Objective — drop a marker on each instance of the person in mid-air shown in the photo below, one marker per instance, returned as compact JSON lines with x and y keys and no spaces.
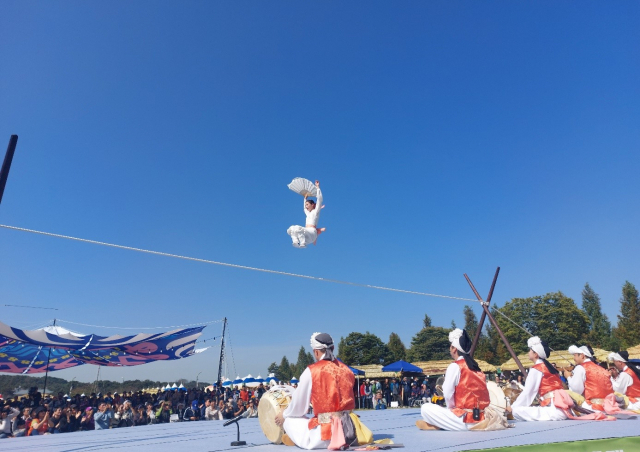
{"x":300,"y":236}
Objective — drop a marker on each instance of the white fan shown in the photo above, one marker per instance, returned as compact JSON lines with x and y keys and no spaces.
{"x":303,"y":187}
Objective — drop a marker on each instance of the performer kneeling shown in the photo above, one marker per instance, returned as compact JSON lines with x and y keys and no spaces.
{"x":588,"y":379}
{"x":627,"y":382}
{"x":543,"y":379}
{"x":465,"y":393}
{"x":328,"y":385}
{"x":300,"y":236}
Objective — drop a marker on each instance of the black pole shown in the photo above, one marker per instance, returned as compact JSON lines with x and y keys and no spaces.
{"x":46,"y":375}
{"x":476,"y":338}
{"x":6,"y":165}
{"x":224,"y":328}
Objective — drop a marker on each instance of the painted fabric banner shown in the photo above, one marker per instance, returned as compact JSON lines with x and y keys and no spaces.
{"x":30,"y":355}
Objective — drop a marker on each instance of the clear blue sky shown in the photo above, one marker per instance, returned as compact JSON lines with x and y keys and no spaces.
{"x":449,"y":137}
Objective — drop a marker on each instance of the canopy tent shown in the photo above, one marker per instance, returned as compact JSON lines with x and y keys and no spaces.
{"x":294,"y":381}
{"x":55,"y":348}
{"x":270,"y":378}
{"x":560,"y":358}
{"x":356,"y":372}
{"x":401,"y":366}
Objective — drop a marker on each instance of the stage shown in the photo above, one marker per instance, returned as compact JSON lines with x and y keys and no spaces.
{"x":397,"y":424}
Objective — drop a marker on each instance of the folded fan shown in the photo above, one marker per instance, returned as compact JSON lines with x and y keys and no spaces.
{"x":303,"y":187}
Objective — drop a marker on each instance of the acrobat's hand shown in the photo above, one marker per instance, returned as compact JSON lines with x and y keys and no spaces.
{"x":318,"y":183}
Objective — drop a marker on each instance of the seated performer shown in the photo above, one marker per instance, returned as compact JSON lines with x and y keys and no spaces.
{"x":628,"y":381}
{"x":543,"y":379}
{"x":300,"y":236}
{"x":588,"y":379}
{"x":465,"y":392}
{"x":327,"y":384}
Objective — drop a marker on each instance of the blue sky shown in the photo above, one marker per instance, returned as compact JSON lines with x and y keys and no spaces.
{"x":449,"y":137}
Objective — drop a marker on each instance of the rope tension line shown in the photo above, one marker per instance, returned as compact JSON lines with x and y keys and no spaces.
{"x":225,"y":264}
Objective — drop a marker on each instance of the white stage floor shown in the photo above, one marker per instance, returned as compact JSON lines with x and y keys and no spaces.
{"x":399,"y":424}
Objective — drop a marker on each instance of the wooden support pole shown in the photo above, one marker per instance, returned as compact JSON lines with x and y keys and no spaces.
{"x":476,"y":338}
{"x":6,"y":164}
{"x":485,"y":307}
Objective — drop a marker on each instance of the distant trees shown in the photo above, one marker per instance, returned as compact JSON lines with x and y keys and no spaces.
{"x":628,"y":329}
{"x":430,"y":343}
{"x":396,"y":348}
{"x":599,"y":326}
{"x":554,"y":317}
{"x":367,"y":348}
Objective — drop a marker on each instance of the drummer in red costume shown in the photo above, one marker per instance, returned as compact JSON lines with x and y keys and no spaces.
{"x":628,"y":381}
{"x":327,"y":384}
{"x":542,"y":380}
{"x":464,"y":388}
{"x":588,"y":379}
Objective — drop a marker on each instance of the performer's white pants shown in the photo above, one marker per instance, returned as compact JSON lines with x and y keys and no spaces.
{"x":301,"y":237}
{"x":538,"y":413}
{"x":442,"y":417}
{"x":634,"y":406}
{"x":298,"y":430}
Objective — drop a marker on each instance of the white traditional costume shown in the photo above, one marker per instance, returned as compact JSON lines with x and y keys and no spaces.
{"x":590,"y":380}
{"x":303,"y":236}
{"x":540,"y":381}
{"x":328,"y":385}
{"x":627,"y":382}
{"x":464,"y":389}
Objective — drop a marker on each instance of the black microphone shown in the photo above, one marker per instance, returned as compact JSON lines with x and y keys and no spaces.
{"x":231,"y":421}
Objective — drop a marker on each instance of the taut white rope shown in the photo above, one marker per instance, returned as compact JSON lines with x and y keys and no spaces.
{"x":243,"y":267}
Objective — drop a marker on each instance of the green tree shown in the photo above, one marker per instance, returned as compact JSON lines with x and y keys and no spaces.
{"x":396,"y":348}
{"x":554,"y":317}
{"x":304,"y":359}
{"x":273,"y":369}
{"x":426,"y":323}
{"x":362,"y":349}
{"x":470,"y":321}
{"x":599,"y":325}
{"x":430,"y":343}
{"x":285,"y":373}
{"x":490,"y":346}
{"x":628,"y":329}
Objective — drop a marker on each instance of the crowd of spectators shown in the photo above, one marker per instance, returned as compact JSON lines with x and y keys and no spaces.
{"x":407,"y":392}
{"x":35,"y":415}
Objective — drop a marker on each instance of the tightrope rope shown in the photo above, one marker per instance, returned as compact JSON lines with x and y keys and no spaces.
{"x":225,"y":264}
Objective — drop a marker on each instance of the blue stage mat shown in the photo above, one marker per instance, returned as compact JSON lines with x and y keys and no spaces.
{"x":397,"y":424}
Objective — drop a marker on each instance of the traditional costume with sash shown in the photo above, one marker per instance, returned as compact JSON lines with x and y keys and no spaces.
{"x":542,"y":380}
{"x":628,"y":381}
{"x":590,"y":380}
{"x":328,"y":385}
{"x":465,"y":393}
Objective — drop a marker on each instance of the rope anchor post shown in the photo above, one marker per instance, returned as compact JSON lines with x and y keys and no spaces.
{"x":487,"y":313}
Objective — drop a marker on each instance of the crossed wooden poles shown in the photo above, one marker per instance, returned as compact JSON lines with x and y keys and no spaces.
{"x":485,"y":314}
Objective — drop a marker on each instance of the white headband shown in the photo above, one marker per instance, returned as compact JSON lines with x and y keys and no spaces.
{"x":580,"y":350}
{"x":616,"y":357}
{"x":454,"y":338}
{"x":535,"y":344}
{"x":317,"y":345}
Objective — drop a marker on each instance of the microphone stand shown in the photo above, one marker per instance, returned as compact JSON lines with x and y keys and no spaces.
{"x":235,"y":421}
